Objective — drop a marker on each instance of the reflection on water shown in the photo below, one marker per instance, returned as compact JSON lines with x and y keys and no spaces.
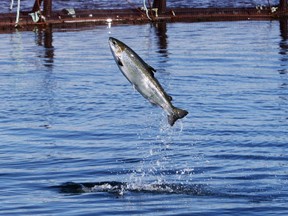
{"x":17,"y":51}
{"x":283,"y":45}
{"x":161,"y":33}
{"x":32,"y":74}
{"x":44,"y":37}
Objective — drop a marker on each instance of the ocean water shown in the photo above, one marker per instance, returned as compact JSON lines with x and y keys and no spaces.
{"x":77,"y":139}
{"x":107,"y":4}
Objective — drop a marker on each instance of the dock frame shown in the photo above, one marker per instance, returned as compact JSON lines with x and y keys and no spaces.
{"x":156,"y":12}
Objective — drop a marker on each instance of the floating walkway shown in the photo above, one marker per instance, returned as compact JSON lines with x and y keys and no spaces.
{"x":71,"y":18}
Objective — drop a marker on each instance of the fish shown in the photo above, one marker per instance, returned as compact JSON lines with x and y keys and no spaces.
{"x":141,"y":76}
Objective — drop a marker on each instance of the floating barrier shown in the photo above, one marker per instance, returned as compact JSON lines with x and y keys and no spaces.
{"x":71,"y":17}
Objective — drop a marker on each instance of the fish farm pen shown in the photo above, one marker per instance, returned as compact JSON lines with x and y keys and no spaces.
{"x":41,"y":15}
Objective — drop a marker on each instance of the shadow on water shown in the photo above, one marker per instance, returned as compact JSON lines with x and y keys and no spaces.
{"x":122,"y":188}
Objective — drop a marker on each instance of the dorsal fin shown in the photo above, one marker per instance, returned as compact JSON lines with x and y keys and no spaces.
{"x":151,"y":70}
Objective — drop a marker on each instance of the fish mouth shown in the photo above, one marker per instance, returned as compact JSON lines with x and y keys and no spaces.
{"x":113,"y":40}
{"x":116,"y":50}
{"x":113,"y":43}
{"x":117,"y":45}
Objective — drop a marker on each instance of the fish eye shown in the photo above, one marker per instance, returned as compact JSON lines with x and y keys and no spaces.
{"x":114,"y":42}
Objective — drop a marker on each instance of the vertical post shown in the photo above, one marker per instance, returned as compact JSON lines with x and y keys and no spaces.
{"x":36,"y":6}
{"x":161,"y":5}
{"x":283,"y":5}
{"x":283,"y":44}
{"x":47,"y":8}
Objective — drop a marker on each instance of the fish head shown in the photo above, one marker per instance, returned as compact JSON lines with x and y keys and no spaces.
{"x":117,"y":49}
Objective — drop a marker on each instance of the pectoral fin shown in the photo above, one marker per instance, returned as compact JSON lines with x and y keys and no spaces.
{"x":119,"y":62}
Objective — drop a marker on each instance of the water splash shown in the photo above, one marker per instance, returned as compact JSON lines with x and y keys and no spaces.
{"x":157,"y":146}
{"x":118,"y":188}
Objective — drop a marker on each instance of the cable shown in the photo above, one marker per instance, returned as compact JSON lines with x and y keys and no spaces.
{"x":18,"y":13}
{"x":146,"y":9}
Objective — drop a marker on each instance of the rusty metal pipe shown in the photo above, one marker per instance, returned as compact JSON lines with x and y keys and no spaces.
{"x":283,"y":5}
{"x":47,"y":8}
{"x":161,"y":5}
{"x":36,"y":6}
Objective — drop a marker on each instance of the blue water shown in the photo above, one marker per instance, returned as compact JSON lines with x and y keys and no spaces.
{"x":108,"y":4}
{"x":77,"y":139}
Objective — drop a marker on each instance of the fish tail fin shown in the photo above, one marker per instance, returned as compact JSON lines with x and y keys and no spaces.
{"x":177,"y":114}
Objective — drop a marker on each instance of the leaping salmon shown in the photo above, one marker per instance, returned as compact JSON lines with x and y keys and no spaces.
{"x":141,"y":76}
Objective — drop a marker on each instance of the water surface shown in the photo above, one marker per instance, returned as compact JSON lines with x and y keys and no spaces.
{"x":76,"y":139}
